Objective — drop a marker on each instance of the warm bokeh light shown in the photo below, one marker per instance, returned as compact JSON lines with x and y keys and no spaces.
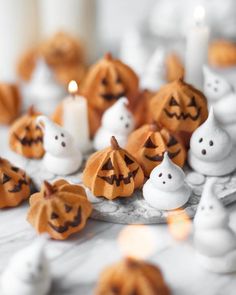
{"x":137,"y":241}
{"x":199,"y":14}
{"x":72,"y":87}
{"x":179,"y":224}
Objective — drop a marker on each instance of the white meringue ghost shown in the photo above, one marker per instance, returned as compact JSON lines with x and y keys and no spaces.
{"x":155,"y":72}
{"x":166,"y":188}
{"x":214,"y":240}
{"x":117,"y":121}
{"x":61,"y":156}
{"x":211,"y":149}
{"x":221,"y":96}
{"x":28,"y":272}
{"x":43,"y":90}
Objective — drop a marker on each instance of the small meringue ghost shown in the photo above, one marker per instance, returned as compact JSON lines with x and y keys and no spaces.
{"x":221,"y":96}
{"x":61,"y":156}
{"x":211,"y":149}
{"x":155,"y":73}
{"x":117,"y":121}
{"x":214,"y":240}
{"x":28,"y":272}
{"x":166,"y":188}
{"x":43,"y":90}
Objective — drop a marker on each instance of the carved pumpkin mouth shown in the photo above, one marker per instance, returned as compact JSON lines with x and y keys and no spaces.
{"x":118,"y":179}
{"x":63,"y":228}
{"x":29,"y":141}
{"x":183,"y":116}
{"x":159,"y":158}
{"x":110,"y":96}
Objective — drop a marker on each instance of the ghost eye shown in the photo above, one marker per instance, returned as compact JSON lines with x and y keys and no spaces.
{"x":192,"y":102}
{"x":200,"y":140}
{"x":121,"y":118}
{"x":104,"y":81}
{"x":54,"y":215}
{"x":56,"y":137}
{"x":128,"y":161}
{"x":173,"y":102}
{"x":149,"y":144}
{"x":62,"y":134}
{"x":108,"y":165}
{"x":160,"y":175}
{"x":169,"y":176}
{"x":211,"y":143}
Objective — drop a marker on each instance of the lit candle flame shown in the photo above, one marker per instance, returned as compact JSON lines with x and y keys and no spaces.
{"x":179,"y":224}
{"x":73,"y":87}
{"x":137,"y":241}
{"x":199,"y":14}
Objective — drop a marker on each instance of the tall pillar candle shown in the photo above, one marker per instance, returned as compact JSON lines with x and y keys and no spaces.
{"x":76,"y":17}
{"x":197,"y":49}
{"x":18,"y":32}
{"x":75,"y":118}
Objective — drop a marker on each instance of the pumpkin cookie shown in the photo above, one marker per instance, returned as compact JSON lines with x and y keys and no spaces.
{"x":149,"y":143}
{"x":222,"y":53}
{"x":10,"y":103}
{"x":112,"y":173}
{"x":174,"y":67}
{"x":26,"y":137}
{"x":14,"y":185}
{"x":132,"y":276}
{"x":60,"y":209}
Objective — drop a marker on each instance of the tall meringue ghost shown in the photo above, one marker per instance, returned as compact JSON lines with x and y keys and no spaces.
{"x":155,"y":72}
{"x":214,"y":240}
{"x":211,"y":149}
{"x":221,"y":96}
{"x":61,"y":156}
{"x":28,"y":272}
{"x":166,"y":188}
{"x":117,"y":121}
{"x":43,"y":90}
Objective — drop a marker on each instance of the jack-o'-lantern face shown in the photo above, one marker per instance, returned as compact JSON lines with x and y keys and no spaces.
{"x":26,"y":137}
{"x":148,"y":145}
{"x":59,"y":209}
{"x":14,"y":185}
{"x":61,"y":49}
{"x":112,"y":173}
{"x":107,"y":81}
{"x":179,"y":107}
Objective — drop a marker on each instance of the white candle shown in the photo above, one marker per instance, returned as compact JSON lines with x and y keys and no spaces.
{"x":75,"y":118}
{"x":76,"y":17}
{"x":197,"y":49}
{"x":18,"y":32}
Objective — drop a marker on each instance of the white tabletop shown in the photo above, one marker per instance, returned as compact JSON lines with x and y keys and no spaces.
{"x":77,"y":262}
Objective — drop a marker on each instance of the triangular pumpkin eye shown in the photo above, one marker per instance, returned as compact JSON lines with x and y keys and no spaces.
{"x":149,"y":144}
{"x":128,"y":161}
{"x":173,"y":102}
{"x":108,"y":165}
{"x":192,"y":102}
{"x":5,"y":178}
{"x":68,"y":208}
{"x":54,"y":215}
{"x":172,"y":141}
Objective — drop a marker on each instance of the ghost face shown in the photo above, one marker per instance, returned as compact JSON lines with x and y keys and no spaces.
{"x":167,"y":177}
{"x":215,"y":87}
{"x":210,"y":145}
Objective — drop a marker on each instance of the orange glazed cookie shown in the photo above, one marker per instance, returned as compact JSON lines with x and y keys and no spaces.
{"x":10,"y":103}
{"x":222,"y":53}
{"x":60,"y":209}
{"x":148,"y":145}
{"x":107,"y":81}
{"x":132,"y":276}
{"x":26,"y":138}
{"x":14,"y":185}
{"x":178,"y":106}
{"x":112,"y":172}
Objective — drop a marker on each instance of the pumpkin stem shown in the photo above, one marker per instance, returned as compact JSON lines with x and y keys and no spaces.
{"x":108,"y":56}
{"x":114,"y":143}
{"x":48,"y":189}
{"x":31,"y":111}
{"x":131,"y":262}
